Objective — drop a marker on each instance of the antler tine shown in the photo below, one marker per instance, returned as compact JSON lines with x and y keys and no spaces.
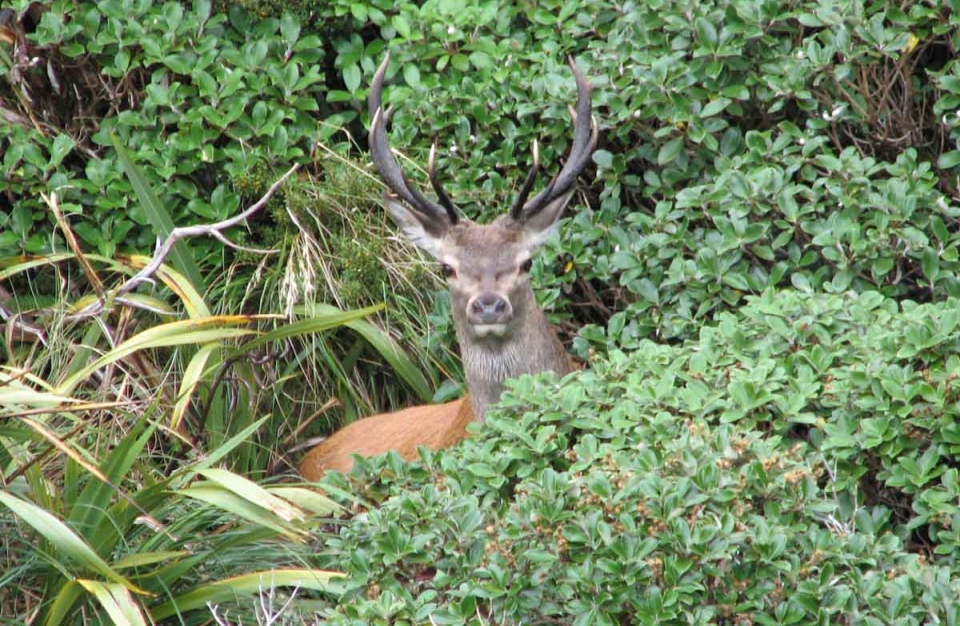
{"x":437,"y":187}
{"x":585,"y":133}
{"x":517,"y":209}
{"x":384,"y":161}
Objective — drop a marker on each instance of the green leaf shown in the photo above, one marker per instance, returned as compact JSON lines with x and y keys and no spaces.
{"x":949,"y":160}
{"x":930,"y":263}
{"x":706,"y":32}
{"x":715,"y":106}
{"x":402,"y":25}
{"x":289,"y":29}
{"x":603,"y":158}
{"x":670,"y":150}
{"x":61,"y":147}
{"x":351,"y":77}
{"x":481,"y":60}
{"x":411,"y":74}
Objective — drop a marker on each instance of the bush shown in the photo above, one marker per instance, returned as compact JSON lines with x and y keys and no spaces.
{"x":743,"y":146}
{"x":791,"y":456}
{"x":794,"y":464}
{"x":197,"y":97}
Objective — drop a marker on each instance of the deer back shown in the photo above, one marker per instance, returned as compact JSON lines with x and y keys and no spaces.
{"x":435,"y":426}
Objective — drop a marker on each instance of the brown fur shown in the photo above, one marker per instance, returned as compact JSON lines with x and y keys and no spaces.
{"x":434,"y":426}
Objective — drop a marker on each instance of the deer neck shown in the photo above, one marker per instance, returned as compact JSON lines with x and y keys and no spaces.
{"x":531,"y":348}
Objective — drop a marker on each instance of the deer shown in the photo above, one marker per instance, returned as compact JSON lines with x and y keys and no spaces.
{"x":501,"y":329}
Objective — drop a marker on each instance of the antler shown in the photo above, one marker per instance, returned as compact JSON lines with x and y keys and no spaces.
{"x":584,"y":140}
{"x":387,"y":166}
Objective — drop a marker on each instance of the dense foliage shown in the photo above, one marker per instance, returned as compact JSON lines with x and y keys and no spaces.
{"x":761,"y":268}
{"x":794,"y":464}
{"x":745,"y":145}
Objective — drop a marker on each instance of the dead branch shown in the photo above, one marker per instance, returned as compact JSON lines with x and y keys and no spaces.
{"x":185,"y":232}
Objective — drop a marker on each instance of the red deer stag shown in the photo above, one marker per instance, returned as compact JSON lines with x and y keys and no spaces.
{"x":501,"y":330}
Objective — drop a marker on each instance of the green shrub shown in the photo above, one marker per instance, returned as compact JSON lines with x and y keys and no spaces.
{"x":743,"y":145}
{"x":196,"y":96}
{"x":869,"y":381}
{"x":770,"y":472}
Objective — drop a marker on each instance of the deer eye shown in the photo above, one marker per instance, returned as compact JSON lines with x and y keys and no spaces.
{"x":526,"y":265}
{"x":447,"y":270}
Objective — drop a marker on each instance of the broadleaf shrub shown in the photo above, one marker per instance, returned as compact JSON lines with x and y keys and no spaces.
{"x":774,"y":196}
{"x":197,"y":96}
{"x":744,"y":146}
{"x":793,"y":464}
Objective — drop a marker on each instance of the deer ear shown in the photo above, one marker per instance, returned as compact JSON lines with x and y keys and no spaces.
{"x":422,"y":231}
{"x":539,"y":226}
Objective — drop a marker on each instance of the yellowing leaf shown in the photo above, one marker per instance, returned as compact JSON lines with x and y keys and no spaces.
{"x":117,"y":601}
{"x":911,"y":43}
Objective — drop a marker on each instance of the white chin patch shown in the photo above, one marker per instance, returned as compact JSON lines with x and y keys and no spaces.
{"x":489,"y":330}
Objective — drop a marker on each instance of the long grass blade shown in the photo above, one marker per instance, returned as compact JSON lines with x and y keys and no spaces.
{"x":386,"y":346}
{"x":229,"y":589}
{"x":227,"y":446}
{"x":66,"y":408}
{"x":124,"y":264}
{"x":61,"y":608}
{"x":192,"y":375}
{"x":254,"y":493}
{"x":309,"y":326}
{"x":141,"y":559}
{"x":87,"y":511}
{"x":307,"y":499}
{"x":175,"y":282}
{"x":223,"y":498}
{"x":15,"y":265}
{"x":205,"y":330}
{"x":63,"y":539}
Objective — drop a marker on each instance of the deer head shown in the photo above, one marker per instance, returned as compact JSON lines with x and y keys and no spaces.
{"x":501,"y":330}
{"x":486,"y":266}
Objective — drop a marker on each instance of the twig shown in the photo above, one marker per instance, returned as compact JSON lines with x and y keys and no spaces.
{"x":16,"y":321}
{"x":184,"y":232}
{"x":67,"y":408}
{"x":213,"y":230}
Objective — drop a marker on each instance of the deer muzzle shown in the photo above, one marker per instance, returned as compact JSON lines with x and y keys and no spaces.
{"x":489,"y":313}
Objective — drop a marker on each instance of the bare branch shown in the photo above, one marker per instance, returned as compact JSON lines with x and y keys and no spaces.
{"x":214,"y":230}
{"x":185,"y":232}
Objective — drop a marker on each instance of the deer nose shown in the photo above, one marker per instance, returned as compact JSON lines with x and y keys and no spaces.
{"x":489,"y":308}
